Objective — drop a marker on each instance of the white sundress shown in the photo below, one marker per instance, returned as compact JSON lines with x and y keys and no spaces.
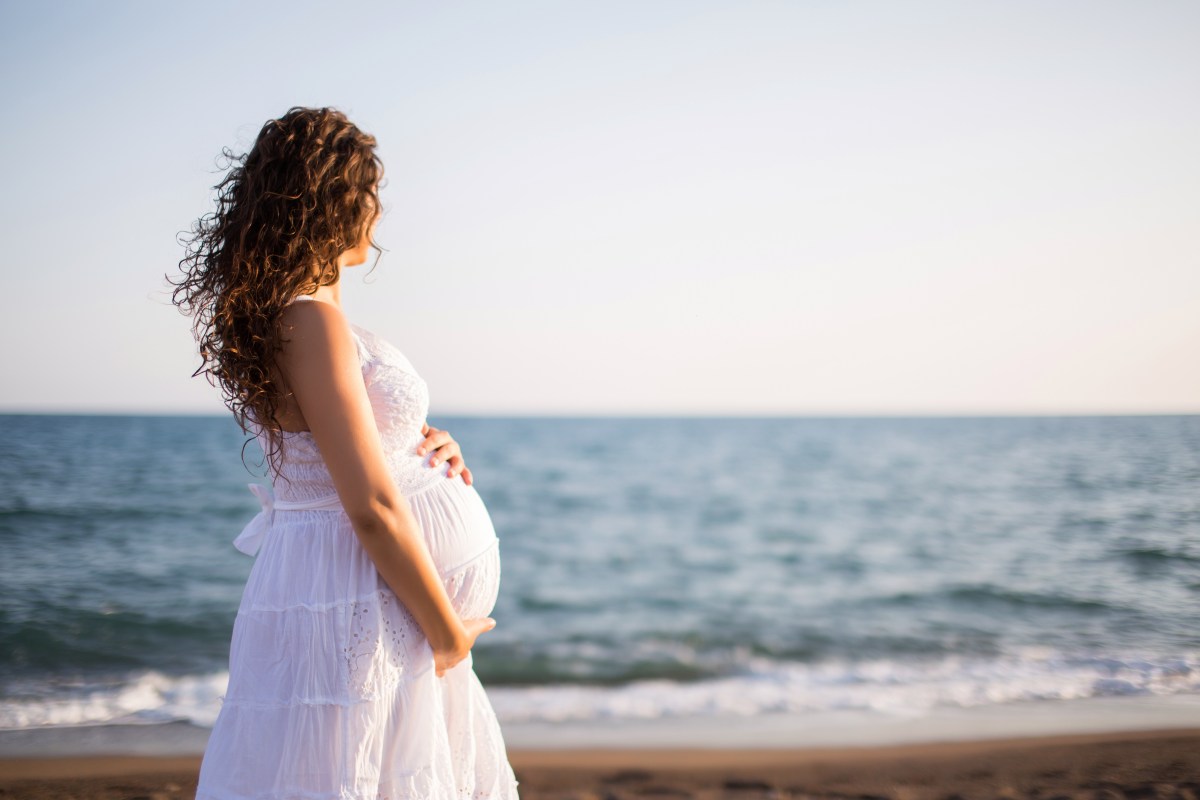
{"x":332,"y":688}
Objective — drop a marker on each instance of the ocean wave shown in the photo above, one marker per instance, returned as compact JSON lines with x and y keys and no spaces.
{"x":903,"y":688}
{"x":145,"y":698}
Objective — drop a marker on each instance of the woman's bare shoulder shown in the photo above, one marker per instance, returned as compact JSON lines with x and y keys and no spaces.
{"x":313,"y":317}
{"x":315,"y":333}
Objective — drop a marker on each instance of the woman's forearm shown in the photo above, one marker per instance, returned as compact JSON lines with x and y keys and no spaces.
{"x":392,"y":538}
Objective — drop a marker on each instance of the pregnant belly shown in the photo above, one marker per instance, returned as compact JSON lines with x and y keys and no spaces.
{"x":462,"y":540}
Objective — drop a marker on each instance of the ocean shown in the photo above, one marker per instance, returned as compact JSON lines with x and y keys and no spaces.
{"x":713,"y":580}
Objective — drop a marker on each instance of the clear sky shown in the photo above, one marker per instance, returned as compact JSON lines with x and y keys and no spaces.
{"x":639,"y":207}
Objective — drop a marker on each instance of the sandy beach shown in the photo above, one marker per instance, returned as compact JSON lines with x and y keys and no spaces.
{"x":1148,"y":765}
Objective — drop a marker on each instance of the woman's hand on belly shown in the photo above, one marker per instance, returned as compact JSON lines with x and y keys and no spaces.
{"x":445,"y":449}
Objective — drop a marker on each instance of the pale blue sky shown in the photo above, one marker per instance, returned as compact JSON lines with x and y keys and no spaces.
{"x":640,"y":207}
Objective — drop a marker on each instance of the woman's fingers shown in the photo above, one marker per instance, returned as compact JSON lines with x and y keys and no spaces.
{"x":444,"y":449}
{"x":479,"y":625}
{"x":457,"y":465}
{"x":445,"y":453}
{"x":434,"y":438}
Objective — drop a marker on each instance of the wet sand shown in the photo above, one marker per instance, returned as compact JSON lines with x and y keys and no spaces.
{"x":1150,"y":765}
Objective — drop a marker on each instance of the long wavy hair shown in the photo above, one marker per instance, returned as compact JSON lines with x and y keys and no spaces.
{"x":305,"y":192}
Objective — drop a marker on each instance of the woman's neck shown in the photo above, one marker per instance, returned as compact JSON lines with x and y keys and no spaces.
{"x":330,"y":293}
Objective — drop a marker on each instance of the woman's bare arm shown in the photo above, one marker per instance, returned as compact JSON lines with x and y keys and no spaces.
{"x":319,"y":363}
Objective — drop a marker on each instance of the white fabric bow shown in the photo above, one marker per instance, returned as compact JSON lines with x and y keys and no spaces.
{"x":251,"y":537}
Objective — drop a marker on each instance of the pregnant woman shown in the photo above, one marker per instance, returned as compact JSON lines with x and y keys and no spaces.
{"x":350,"y":670}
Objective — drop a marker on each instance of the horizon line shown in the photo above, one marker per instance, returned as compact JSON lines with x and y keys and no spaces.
{"x":812,"y":414}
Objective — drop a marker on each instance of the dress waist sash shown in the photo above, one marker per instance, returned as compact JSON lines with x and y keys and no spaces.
{"x":251,"y":537}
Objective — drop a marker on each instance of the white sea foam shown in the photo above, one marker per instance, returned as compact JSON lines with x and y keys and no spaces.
{"x":147,"y":698}
{"x":887,"y":686}
{"x":895,"y":688}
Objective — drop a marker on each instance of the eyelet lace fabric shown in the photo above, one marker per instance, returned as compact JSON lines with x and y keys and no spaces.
{"x":332,"y":690}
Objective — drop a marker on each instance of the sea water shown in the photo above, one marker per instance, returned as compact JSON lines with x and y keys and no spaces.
{"x":703,"y":581}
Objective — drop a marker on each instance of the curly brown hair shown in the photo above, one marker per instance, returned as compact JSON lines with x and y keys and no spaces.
{"x":306,"y":192}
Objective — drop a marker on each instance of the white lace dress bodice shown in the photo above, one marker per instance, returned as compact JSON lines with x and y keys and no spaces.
{"x":400,"y":402}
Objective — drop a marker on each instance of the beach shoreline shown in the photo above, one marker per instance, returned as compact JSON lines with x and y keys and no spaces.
{"x":1137,"y":765}
{"x":845,"y":728}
